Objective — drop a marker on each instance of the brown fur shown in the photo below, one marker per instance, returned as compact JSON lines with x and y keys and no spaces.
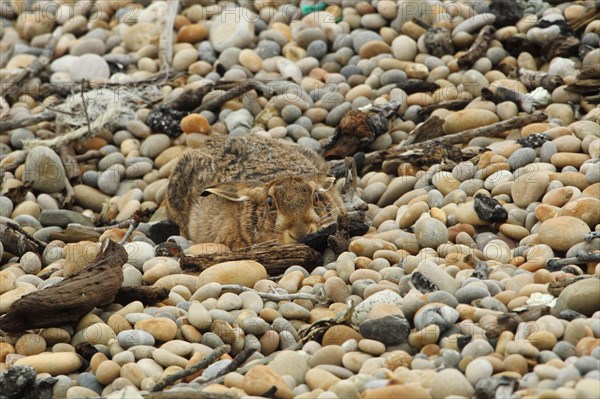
{"x":220,"y":192}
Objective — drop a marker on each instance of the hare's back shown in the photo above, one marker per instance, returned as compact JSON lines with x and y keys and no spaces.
{"x":255,"y":158}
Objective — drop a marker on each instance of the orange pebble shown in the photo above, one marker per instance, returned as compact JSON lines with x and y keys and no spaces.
{"x":195,"y":123}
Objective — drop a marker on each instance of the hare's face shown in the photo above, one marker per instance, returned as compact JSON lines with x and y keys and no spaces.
{"x":284,"y":210}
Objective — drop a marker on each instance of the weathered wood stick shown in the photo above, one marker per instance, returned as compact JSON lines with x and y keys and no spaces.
{"x":485,"y":131}
{"x":535,"y":79}
{"x":478,"y":48}
{"x":24,"y":122}
{"x":202,"y":364}
{"x":275,"y":258}
{"x":429,"y":129}
{"x":452,"y":105}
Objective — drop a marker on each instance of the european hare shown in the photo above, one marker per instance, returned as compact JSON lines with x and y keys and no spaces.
{"x":247,"y":190}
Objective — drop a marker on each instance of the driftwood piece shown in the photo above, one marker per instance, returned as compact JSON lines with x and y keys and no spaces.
{"x":495,"y":129}
{"x":358,"y":129}
{"x":478,"y":48}
{"x":412,"y":86}
{"x":275,"y":258}
{"x":534,"y":79}
{"x":560,"y":47}
{"x":220,"y":99}
{"x":145,"y":294}
{"x":429,"y":129}
{"x":67,"y":301}
{"x":202,"y":364}
{"x":23,"y":122}
{"x":75,"y":234}
{"x":453,"y":105}
{"x":15,"y":242}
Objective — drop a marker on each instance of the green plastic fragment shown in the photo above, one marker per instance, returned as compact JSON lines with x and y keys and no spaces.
{"x":307,"y":8}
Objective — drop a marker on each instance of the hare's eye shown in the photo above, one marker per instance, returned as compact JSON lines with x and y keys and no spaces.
{"x":315,"y":197}
{"x":270,"y":202}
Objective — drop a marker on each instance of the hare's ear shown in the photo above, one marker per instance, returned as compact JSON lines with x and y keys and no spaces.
{"x":325,"y":184}
{"x":234,"y":191}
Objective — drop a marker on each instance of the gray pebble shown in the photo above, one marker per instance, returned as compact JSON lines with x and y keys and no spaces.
{"x":317,"y":49}
{"x":521,"y":157}
{"x":129,"y":338}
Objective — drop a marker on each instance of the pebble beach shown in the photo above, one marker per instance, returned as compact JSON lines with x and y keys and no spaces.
{"x":438,"y":299}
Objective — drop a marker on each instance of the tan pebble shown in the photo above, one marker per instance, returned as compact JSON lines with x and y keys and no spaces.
{"x":374,"y":48}
{"x":8,"y":298}
{"x":319,"y":378}
{"x":292,"y":281}
{"x":107,"y":371}
{"x":516,"y":363}
{"x":249,"y":59}
{"x":77,"y":392}
{"x":261,"y":378}
{"x":532,"y":128}
{"x":543,"y":340}
{"x":6,"y":349}
{"x":337,"y":335}
{"x":161,"y":328}
{"x":187,"y":280}
{"x":558,"y":196}
{"x":96,"y":360}
{"x":428,"y":335}
{"x":529,"y":187}
{"x":371,"y":347}
{"x":30,"y":344}
{"x":354,"y":360}
{"x":96,"y":334}
{"x":586,"y":345}
{"x":269,"y":342}
{"x":586,"y":209}
{"x":401,"y":391}
{"x":192,"y":33}
{"x":26,"y":208}
{"x":575,"y":179}
{"x":513,"y":231}
{"x":562,"y":159}
{"x":134,"y":373}
{"x":52,"y":363}
{"x":7,"y":281}
{"x":572,"y":232}
{"x":245,"y":273}
{"x":468,"y":119}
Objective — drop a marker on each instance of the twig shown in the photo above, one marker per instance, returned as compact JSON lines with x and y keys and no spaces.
{"x":165,"y":51}
{"x":236,"y":363}
{"x":132,"y":226}
{"x":122,"y":225}
{"x":23,"y":122}
{"x":494,"y":129}
{"x":236,"y":91}
{"x":274,"y":297}
{"x":264,"y":360}
{"x":581,"y":258}
{"x":478,"y":48}
{"x":11,"y":86}
{"x":452,"y":105}
{"x":91,"y":154}
{"x":85,"y":111}
{"x":110,"y":115}
{"x":171,"y":378}
{"x":18,"y":228}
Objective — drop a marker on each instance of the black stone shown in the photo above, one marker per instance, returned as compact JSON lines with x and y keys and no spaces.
{"x":533,"y":141}
{"x":489,"y":209}
{"x":160,"y":231}
{"x":507,"y":12}
{"x":19,"y":383}
{"x":422,"y":283}
{"x":165,"y":119}
{"x":170,"y":249}
{"x":389,"y":330}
